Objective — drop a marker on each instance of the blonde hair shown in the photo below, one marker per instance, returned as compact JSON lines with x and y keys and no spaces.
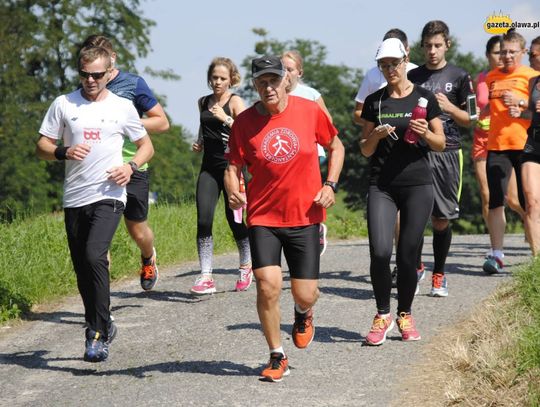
{"x":227,"y":63}
{"x":296,"y":57}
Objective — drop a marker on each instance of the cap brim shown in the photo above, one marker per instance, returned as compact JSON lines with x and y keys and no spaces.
{"x":269,"y":70}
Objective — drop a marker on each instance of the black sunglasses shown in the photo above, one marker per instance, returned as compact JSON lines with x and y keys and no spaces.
{"x":94,"y":75}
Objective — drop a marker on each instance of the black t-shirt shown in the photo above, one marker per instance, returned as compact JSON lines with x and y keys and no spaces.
{"x":456,"y":84}
{"x":215,"y":136}
{"x":397,"y":163}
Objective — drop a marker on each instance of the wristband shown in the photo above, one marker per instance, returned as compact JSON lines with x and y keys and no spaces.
{"x":61,"y":153}
{"x":332,"y":185}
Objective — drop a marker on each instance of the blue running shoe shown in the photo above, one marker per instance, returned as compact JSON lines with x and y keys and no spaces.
{"x":439,"y":287}
{"x":493,"y":265}
{"x":97,"y":349}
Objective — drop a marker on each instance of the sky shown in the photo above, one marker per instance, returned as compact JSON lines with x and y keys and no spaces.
{"x":189,"y":34}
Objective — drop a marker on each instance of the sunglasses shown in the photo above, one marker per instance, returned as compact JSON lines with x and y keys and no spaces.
{"x":391,"y":66}
{"x":94,"y":75}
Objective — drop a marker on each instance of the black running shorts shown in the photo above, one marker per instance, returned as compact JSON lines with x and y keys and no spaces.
{"x":446,"y":168}
{"x":300,"y":246}
{"x":137,"y":197}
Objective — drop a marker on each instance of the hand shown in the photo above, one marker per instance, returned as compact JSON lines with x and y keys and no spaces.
{"x":196,"y":147}
{"x":325,"y":197}
{"x":218,"y":112}
{"x":237,"y":200}
{"x":509,"y":99}
{"x":120,"y":175}
{"x":514,"y":111}
{"x":445,"y":104}
{"x":382,"y":131}
{"x":78,"y":152}
{"x":537,"y":106}
{"x":419,"y":126}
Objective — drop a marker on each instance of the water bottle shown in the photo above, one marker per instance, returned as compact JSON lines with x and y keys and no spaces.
{"x":238,"y":213}
{"x":419,"y":112}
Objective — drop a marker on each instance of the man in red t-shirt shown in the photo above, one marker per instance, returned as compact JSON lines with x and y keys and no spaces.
{"x":277,"y":140}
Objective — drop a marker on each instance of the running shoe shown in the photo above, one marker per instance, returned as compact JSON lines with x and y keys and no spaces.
{"x":149,"y":273}
{"x":303,"y":329}
{"x":323,"y":242}
{"x":407,"y":327}
{"x":379,"y":329}
{"x":245,"y":279}
{"x":421,"y":272}
{"x":439,"y":287}
{"x":394,"y":277}
{"x":203,"y":285}
{"x":493,"y":265}
{"x":97,"y":348}
{"x":277,"y":368}
{"x":112,"y":331}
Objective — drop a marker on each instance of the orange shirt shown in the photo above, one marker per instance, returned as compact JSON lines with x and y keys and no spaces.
{"x":505,"y":132}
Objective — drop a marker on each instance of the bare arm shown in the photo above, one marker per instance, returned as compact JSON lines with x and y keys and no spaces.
{"x":432,"y":132}
{"x":357,"y":113}
{"x":232,"y":185}
{"x":336,"y":154}
{"x":46,"y":147}
{"x":156,"y":120}
{"x":371,"y":136}
{"x":461,"y":117}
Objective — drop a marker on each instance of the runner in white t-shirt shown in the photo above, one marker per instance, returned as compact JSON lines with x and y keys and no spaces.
{"x":92,"y":123}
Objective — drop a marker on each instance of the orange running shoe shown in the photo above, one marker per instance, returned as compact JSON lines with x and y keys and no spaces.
{"x":149,"y":273}
{"x":277,"y":368}
{"x":407,"y":327}
{"x":303,"y":330}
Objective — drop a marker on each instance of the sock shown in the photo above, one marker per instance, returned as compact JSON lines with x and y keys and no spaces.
{"x":205,"y":248}
{"x":499,"y":254}
{"x":383,"y":316}
{"x":300,"y":310}
{"x":147,"y":261}
{"x":278,"y":350}
{"x":441,"y":246}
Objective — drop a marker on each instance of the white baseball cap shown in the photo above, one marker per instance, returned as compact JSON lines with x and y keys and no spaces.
{"x":391,"y":48}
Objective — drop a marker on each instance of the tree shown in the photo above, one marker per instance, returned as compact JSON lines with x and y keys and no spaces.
{"x":338,"y":85}
{"x":39,"y":42}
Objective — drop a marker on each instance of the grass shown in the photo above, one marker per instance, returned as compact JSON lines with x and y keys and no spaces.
{"x":492,"y":358}
{"x":40,"y":268}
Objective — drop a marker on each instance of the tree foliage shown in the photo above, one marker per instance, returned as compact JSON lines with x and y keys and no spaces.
{"x":39,"y":42}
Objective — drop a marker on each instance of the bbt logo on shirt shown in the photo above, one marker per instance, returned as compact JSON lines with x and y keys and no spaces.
{"x":92,"y":135}
{"x":280,"y":145}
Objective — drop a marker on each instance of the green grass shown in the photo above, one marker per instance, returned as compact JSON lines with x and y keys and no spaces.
{"x":38,"y":267}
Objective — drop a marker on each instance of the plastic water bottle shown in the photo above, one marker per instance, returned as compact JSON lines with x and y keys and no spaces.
{"x":419,"y":112}
{"x":238,"y":213}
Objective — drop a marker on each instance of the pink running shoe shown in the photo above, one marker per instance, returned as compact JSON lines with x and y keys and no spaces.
{"x":245,"y":279}
{"x":203,"y":285}
{"x":407,"y":328}
{"x":380,"y":327}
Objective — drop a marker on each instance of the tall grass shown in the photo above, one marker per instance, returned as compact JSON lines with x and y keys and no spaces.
{"x":38,"y":267}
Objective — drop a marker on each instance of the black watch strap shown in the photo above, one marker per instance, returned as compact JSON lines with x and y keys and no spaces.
{"x":133,"y":165}
{"x":332,"y":185}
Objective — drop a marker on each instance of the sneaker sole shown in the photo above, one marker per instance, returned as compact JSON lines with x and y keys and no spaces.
{"x":208,"y":291}
{"x":411,"y":339}
{"x":436,"y":294}
{"x":384,"y":338}
{"x":273,"y":380}
{"x":325,"y":245}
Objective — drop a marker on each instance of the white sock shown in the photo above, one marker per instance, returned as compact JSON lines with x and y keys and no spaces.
{"x":383,"y":316}
{"x":499,"y":254}
{"x":300,"y":310}
{"x":278,"y":350}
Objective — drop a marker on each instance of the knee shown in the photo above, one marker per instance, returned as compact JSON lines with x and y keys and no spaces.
{"x":533,"y":207}
{"x":139,"y":231}
{"x":306,"y":297}
{"x":268,"y":291}
{"x":96,"y":260}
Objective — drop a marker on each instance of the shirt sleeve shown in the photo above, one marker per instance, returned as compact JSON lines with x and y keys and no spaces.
{"x":364,"y":90}
{"x":133,"y":128}
{"x":367,"y":111}
{"x":325,"y":129}
{"x":53,"y":122}
{"x":144,"y":97}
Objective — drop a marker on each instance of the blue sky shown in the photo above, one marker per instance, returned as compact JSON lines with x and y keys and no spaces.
{"x":189,"y":34}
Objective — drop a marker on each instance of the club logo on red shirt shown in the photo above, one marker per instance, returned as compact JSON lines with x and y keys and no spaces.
{"x":280,"y":145}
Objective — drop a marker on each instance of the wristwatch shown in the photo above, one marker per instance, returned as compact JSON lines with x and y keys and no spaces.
{"x":133,"y":165}
{"x":332,"y":185}
{"x":229,"y":121}
{"x":521,"y":103}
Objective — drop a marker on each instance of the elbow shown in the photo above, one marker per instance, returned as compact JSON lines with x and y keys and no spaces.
{"x":163,"y":126}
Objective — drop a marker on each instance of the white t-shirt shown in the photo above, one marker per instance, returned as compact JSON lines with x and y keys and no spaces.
{"x":102,"y":125}
{"x":373,"y":81}
{"x":307,"y":92}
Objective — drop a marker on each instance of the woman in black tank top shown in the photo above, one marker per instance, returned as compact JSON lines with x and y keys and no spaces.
{"x":217,"y":113}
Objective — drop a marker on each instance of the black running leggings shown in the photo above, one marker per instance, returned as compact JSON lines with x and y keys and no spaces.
{"x":415,"y":204}
{"x":209,"y":186}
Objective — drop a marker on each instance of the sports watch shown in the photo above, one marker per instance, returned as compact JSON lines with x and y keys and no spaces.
{"x":332,"y":185}
{"x":133,"y":165}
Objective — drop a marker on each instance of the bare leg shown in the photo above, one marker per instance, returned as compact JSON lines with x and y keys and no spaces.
{"x":269,"y":282}
{"x":530,"y":172}
{"x":143,"y":236}
{"x":481,"y":178}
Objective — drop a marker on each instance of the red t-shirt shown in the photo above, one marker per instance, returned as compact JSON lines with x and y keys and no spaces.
{"x":280,"y":152}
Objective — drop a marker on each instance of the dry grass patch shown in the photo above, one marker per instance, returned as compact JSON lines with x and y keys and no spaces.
{"x":475,"y":362}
